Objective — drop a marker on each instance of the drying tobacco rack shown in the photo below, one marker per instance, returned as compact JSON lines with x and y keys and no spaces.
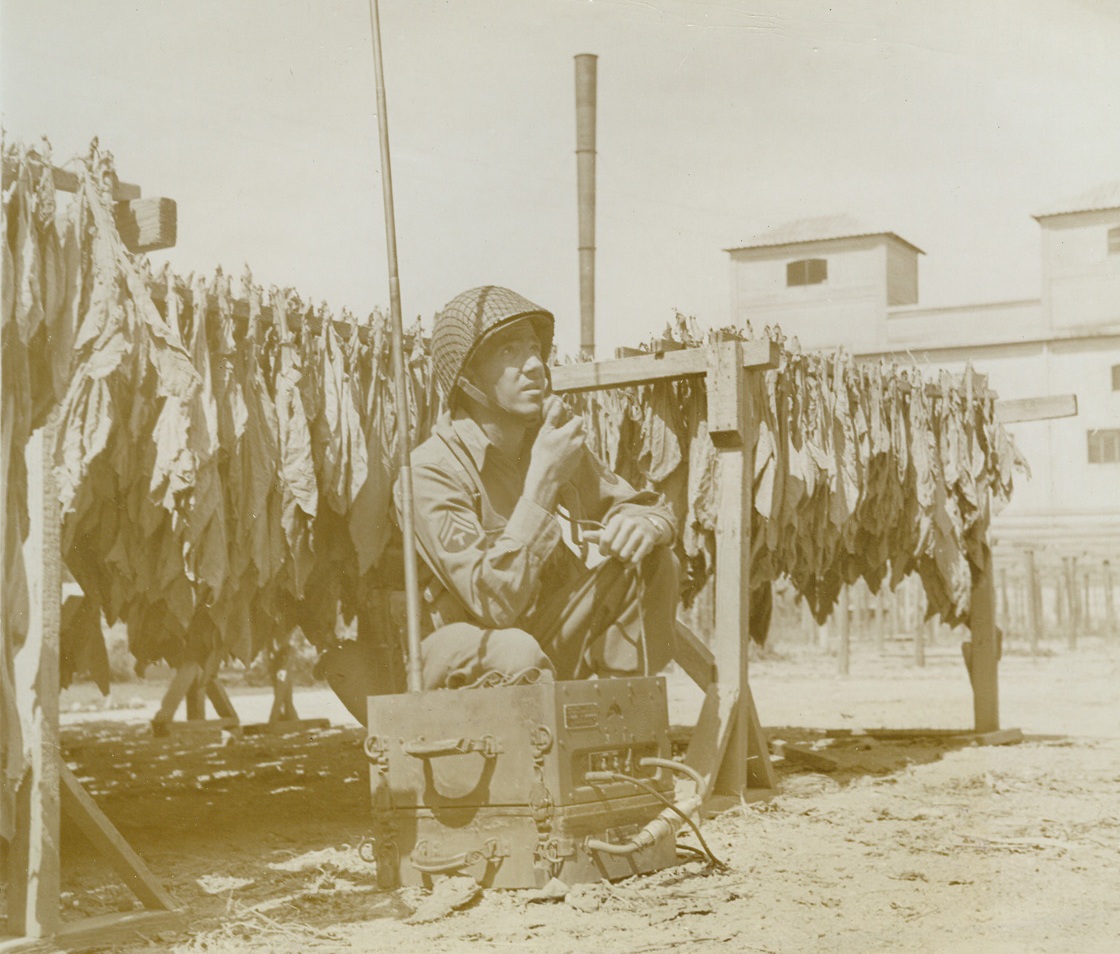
{"x":727,"y":747}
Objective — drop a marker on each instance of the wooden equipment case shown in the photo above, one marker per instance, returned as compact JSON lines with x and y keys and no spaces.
{"x":512,"y":804}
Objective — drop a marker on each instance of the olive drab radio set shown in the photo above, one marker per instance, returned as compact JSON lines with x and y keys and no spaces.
{"x":568,"y":780}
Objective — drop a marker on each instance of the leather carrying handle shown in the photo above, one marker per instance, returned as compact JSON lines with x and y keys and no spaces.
{"x":428,"y":863}
{"x":488,"y":747}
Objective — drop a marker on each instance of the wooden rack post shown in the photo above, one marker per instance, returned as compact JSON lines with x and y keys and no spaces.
{"x":727,"y":747}
{"x":985,"y":647}
{"x":48,"y":790}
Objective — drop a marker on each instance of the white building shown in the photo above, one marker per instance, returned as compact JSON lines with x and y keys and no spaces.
{"x":832,"y":283}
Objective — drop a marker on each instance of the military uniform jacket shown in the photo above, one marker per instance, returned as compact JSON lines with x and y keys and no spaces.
{"x":487,"y":549}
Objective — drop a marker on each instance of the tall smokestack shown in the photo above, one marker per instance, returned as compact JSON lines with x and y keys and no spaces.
{"x":585,"y":172}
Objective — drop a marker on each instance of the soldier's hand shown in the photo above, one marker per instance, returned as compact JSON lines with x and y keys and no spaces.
{"x":628,"y":537}
{"x":555,"y":455}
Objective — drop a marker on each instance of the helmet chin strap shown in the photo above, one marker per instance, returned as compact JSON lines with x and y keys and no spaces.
{"x":475,"y":394}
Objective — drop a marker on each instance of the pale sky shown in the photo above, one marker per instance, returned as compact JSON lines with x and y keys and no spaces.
{"x":948,"y":122}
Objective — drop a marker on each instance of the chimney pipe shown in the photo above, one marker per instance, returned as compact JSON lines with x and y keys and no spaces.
{"x":585,"y":176}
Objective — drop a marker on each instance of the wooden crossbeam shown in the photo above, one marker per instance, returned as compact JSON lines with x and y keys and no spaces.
{"x":65,"y":181}
{"x":1044,"y":408}
{"x":145,"y":225}
{"x":660,"y":366}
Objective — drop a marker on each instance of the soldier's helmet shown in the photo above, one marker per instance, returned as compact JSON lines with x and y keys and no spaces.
{"x":466,"y":321}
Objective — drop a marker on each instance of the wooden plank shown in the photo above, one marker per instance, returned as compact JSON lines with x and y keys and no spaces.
{"x":33,"y":856}
{"x":286,"y":727}
{"x":81,"y":809}
{"x":65,"y":181}
{"x":648,"y":368}
{"x":985,"y":648}
{"x":147,"y":225}
{"x":803,"y":755}
{"x":888,"y":734}
{"x":199,"y":727}
{"x":1045,"y":408}
{"x":999,"y":737}
{"x":694,"y":657}
{"x":27,"y":945}
{"x":104,"y":932}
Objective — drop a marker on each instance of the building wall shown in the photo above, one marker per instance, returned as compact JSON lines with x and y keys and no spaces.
{"x":845,"y":310}
{"x":1065,"y":342}
{"x":989,"y":323}
{"x":1081,"y":280}
{"x":902,"y":275}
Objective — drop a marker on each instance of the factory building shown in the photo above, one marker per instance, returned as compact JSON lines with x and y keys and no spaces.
{"x":831,"y":282}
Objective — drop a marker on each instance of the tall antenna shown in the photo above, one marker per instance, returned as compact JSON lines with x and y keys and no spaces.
{"x":586,"y":69}
{"x":404,"y":443}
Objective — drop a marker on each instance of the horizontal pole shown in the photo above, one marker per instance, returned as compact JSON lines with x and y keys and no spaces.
{"x":648,"y":368}
{"x":1036,"y":408}
{"x":66,"y":181}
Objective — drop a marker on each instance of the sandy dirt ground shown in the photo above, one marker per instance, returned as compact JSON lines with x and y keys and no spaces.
{"x":908,"y":845}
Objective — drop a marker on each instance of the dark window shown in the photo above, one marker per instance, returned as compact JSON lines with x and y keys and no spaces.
{"x":1114,"y":241}
{"x":1116,"y":377}
{"x":808,"y":271}
{"x":1104,"y":446}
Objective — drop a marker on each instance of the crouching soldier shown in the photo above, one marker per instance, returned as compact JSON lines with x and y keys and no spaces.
{"x":514,"y":516}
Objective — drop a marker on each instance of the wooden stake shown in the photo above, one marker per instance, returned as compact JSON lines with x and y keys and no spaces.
{"x":808,"y":624}
{"x":1005,"y":602}
{"x":196,"y":700}
{"x":1069,"y":585}
{"x":984,"y":670}
{"x":844,"y":622}
{"x":1033,"y":601}
{"x":862,"y":610}
{"x":1086,"y":601}
{"x":920,"y":641}
{"x":1109,"y":605}
{"x":880,"y":619}
{"x":1060,"y":602}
